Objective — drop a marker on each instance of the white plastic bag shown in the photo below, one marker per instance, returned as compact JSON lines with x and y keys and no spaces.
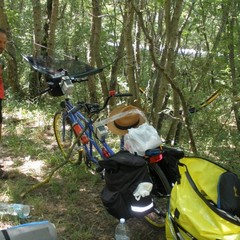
{"x":143,"y":189}
{"x":140,"y":139}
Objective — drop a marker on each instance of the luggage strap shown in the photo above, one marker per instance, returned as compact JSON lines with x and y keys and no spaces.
{"x":176,"y":227}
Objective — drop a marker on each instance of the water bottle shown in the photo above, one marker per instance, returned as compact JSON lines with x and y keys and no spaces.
{"x":122,"y":231}
{"x":15,"y":209}
{"x":43,"y":230}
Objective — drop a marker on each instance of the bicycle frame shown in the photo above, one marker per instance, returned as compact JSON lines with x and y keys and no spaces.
{"x":78,"y":118}
{"x":61,"y":83}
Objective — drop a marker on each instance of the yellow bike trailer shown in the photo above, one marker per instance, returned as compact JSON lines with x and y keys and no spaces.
{"x":194,"y":211}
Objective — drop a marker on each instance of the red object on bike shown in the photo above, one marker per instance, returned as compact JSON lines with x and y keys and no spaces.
{"x":84,"y":139}
{"x":156,"y":158}
{"x":77,"y":129}
{"x":112,"y":92}
{"x":105,"y":153}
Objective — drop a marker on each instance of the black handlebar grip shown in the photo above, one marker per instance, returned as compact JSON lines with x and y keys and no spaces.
{"x":78,"y":80}
{"x":123,"y":95}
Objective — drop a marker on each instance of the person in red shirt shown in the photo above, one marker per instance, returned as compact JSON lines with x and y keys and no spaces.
{"x":3,"y":43}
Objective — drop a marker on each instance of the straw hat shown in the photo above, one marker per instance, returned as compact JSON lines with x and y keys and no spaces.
{"x":124,"y":118}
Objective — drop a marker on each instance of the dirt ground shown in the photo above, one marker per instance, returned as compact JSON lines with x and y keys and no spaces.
{"x":77,"y":212}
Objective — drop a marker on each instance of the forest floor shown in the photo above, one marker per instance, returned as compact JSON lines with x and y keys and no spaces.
{"x":71,"y":199}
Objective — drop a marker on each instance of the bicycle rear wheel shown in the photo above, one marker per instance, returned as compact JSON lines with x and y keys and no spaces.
{"x":160,"y":193}
{"x":65,"y":138}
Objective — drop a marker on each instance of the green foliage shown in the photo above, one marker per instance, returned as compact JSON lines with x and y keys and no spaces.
{"x":197,"y":74}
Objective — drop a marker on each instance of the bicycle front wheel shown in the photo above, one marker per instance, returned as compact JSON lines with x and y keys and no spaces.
{"x":160,"y":193}
{"x":65,"y":138}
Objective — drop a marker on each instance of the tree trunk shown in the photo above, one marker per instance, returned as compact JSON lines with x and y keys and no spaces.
{"x":130,"y":58}
{"x":94,"y":46}
{"x":12,"y":70}
{"x":52,"y":27}
{"x":37,"y":26}
{"x":35,"y":78}
{"x":172,"y":24}
{"x":232,"y":64}
{"x":116,"y":64}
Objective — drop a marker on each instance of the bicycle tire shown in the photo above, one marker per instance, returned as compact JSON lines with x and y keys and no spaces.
{"x":66,"y":137}
{"x":160,"y":193}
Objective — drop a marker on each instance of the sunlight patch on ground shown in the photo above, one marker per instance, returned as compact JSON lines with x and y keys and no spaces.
{"x":32,"y":166}
{"x":29,"y":165}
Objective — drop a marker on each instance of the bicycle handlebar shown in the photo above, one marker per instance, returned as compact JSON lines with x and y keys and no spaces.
{"x":123,"y":95}
{"x":91,"y":108}
{"x":86,"y":74}
{"x":113,"y":94}
{"x":94,"y":108}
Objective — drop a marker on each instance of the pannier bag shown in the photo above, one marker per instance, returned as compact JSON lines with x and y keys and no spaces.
{"x":54,"y":84}
{"x":169,"y":165}
{"x":123,"y":173}
{"x":204,"y":202}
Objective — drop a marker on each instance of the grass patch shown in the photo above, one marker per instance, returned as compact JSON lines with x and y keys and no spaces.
{"x":71,"y":200}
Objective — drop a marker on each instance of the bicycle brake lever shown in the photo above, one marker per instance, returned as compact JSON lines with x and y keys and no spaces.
{"x":123,"y":95}
{"x":94,"y":108}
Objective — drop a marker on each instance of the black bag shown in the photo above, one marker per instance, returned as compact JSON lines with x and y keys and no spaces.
{"x":54,"y":85}
{"x":169,"y":165}
{"x":116,"y":203}
{"x":123,"y":172}
{"x":229,"y":193}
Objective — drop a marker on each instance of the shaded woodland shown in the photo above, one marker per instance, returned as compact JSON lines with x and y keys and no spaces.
{"x":179,"y":59}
